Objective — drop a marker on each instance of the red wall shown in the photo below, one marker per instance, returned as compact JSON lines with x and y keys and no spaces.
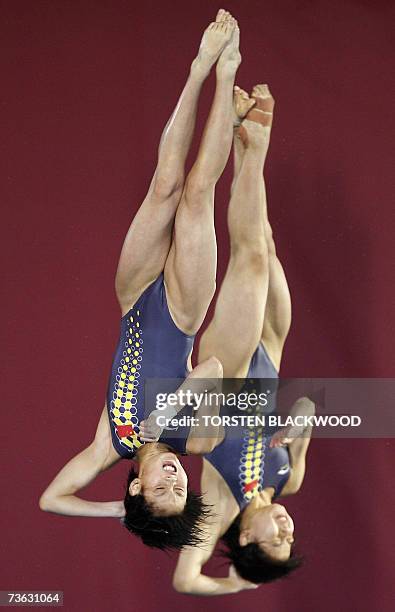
{"x":87,"y":88}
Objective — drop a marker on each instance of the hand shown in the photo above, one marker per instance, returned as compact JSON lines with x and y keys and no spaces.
{"x":239,"y":581}
{"x":285,"y":437}
{"x":281,"y":438}
{"x":149,"y":429}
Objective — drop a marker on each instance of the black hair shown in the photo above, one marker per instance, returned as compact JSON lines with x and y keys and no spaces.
{"x":165,"y":532}
{"x":251,"y":563}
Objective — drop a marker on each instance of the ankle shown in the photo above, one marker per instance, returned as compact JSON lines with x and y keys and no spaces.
{"x":256,"y":155}
{"x":200,"y":68}
{"x":226,"y":74}
{"x":259,"y":151}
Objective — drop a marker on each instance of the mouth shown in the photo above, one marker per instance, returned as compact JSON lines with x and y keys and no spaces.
{"x":280,"y":512}
{"x":282,"y":518}
{"x":169,"y":466}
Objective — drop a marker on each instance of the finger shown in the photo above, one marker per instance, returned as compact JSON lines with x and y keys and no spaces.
{"x":145,"y":433}
{"x":147,"y":438}
{"x":274,"y":441}
{"x":144,"y":430}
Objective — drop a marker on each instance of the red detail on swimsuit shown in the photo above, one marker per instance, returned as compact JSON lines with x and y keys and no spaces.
{"x":124,"y":430}
{"x":250,"y":485}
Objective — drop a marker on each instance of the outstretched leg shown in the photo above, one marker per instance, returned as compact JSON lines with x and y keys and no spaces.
{"x":236,"y":328}
{"x":191,"y":266}
{"x":278,"y":311}
{"x":148,"y":240}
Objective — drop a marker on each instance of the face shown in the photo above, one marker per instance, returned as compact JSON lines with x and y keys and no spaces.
{"x":163,"y":482}
{"x":272,"y":529}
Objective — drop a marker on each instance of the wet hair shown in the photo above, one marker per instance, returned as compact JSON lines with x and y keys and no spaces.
{"x":251,"y":562}
{"x":165,"y":532}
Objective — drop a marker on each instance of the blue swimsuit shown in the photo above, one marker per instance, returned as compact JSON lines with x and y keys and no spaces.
{"x":150,"y":346}
{"x":246,"y":462}
{"x":261,"y":365}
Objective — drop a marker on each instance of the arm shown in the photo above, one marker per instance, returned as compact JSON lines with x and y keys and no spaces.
{"x":199,"y":584}
{"x":188,"y":577}
{"x":297,"y":439}
{"x":59,"y":497}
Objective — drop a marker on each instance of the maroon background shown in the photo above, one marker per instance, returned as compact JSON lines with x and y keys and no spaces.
{"x":88,"y":87}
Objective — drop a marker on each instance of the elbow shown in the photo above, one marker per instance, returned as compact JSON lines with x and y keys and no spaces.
{"x":180,"y":585}
{"x":45,"y":503}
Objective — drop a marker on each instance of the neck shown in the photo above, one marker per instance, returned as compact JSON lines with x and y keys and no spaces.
{"x":264,"y":498}
{"x":268,"y":492}
{"x":149,"y":450}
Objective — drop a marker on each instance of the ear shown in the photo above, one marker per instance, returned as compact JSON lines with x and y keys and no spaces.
{"x":244,"y":537}
{"x":135,"y":487}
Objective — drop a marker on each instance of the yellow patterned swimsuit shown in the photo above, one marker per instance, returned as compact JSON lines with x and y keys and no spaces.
{"x":244,"y":458}
{"x":150,"y":346}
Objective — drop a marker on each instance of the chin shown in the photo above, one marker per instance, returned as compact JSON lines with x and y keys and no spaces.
{"x":279,"y":509}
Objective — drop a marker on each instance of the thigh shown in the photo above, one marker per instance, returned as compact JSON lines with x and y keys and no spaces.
{"x":234,"y":333}
{"x":145,"y":248}
{"x":278,"y":312}
{"x":191,"y":265}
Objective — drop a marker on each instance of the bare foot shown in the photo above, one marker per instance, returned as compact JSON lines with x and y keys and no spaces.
{"x":254,"y":135}
{"x":230,"y":58}
{"x":264,"y":103}
{"x":242,"y":103}
{"x":215,"y":39}
{"x":223,"y":15}
{"x":257,"y":126}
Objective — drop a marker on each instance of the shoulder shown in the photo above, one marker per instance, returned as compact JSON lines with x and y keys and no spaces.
{"x":109,"y":456}
{"x":102,"y":445}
